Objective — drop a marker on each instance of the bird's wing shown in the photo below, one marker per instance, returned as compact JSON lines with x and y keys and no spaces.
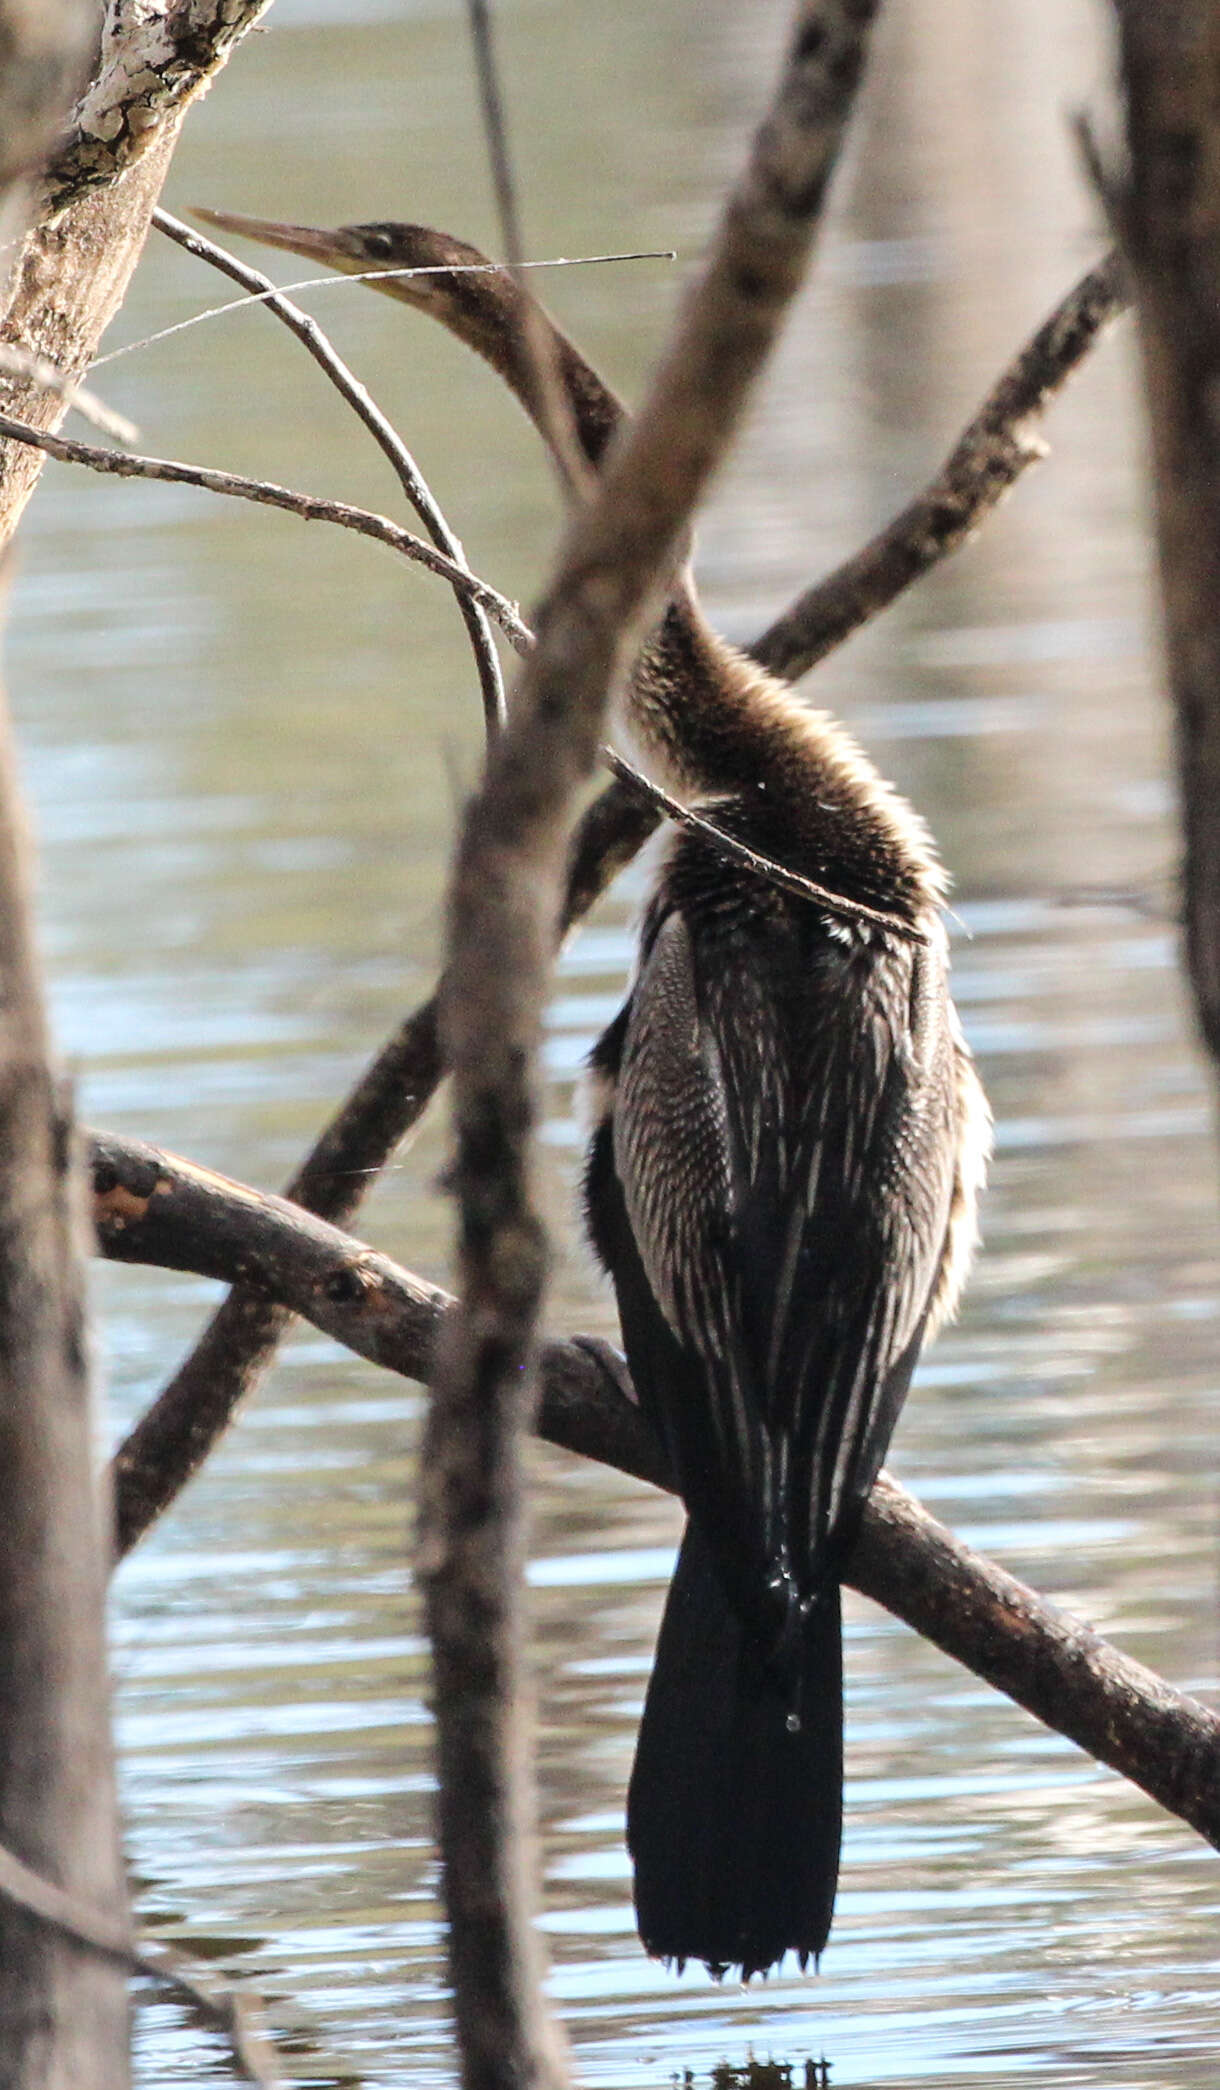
{"x":675,"y":1157}
{"x":788,"y":1202}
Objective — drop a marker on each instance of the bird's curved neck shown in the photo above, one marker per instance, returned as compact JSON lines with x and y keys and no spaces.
{"x":709,"y":723}
{"x":718,"y":731}
{"x":485,"y":308}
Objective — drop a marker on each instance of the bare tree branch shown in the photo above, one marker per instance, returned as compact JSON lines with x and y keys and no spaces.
{"x":76,"y":263}
{"x":154,"y":60}
{"x":170,"y":1442}
{"x":63,"y":2014}
{"x":70,"y":281}
{"x":124,"y":464}
{"x":152,"y":1207}
{"x":666,"y":807}
{"x":504,"y":907}
{"x":451,"y":282}
{"x":18,"y":362}
{"x":987,"y":459}
{"x":1054,"y":1665}
{"x":1165,"y":207}
{"x":231,"y":2012}
{"x":410,"y":478}
{"x":61,"y":2020}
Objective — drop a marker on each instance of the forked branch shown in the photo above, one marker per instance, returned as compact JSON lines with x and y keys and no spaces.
{"x":233,"y":2013}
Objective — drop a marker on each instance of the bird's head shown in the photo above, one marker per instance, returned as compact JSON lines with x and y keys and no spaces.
{"x":410,"y":262}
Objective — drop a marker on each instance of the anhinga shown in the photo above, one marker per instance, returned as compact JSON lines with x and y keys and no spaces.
{"x":789,"y":1142}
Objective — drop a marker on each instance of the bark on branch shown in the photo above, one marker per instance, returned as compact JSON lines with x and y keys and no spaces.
{"x":63,"y":2018}
{"x":152,"y":1207}
{"x":504,"y":909}
{"x":79,"y":257}
{"x":154,"y":61}
{"x":1167,"y":211}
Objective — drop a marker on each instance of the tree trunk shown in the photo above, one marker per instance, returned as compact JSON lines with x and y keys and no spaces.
{"x":1167,"y":209}
{"x":63,"y":2009}
{"x":72,"y":279}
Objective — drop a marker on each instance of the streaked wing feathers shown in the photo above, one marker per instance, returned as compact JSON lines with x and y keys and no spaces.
{"x":785,"y":1152}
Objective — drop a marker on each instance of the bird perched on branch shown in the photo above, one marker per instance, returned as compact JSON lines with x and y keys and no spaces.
{"x":788,"y":1145}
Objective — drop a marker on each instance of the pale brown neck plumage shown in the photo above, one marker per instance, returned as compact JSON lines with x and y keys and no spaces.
{"x":713,"y":726}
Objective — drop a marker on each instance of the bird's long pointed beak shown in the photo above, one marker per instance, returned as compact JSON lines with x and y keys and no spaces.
{"x":310,"y":241}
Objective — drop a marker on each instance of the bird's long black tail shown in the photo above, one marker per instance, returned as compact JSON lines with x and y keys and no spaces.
{"x":735,"y":1808}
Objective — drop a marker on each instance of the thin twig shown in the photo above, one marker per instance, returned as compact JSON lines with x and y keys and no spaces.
{"x":123,"y":464}
{"x":549,"y":397}
{"x":991,"y":453}
{"x":736,"y":851}
{"x":230,"y":2011}
{"x":21,"y":362}
{"x":232,"y":221}
{"x":410,"y":478}
{"x":153,"y":1207}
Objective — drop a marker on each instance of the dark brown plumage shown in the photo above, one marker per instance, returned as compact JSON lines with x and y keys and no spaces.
{"x":781,"y":1184}
{"x":788,"y":1146}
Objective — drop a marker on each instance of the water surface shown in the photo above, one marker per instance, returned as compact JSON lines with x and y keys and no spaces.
{"x":245,"y":743}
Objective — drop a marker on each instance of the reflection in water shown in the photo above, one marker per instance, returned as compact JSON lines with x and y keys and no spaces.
{"x":245,"y":748}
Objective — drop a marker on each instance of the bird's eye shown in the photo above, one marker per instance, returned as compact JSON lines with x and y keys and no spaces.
{"x":378,"y":245}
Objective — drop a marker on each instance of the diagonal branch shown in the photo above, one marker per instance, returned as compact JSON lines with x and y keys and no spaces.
{"x":230,"y":2012}
{"x":504,"y":905}
{"x":410,"y":478}
{"x":838,"y":905}
{"x":152,"y":1207}
{"x":171,"y":1440}
{"x":986,"y":461}
{"x":124,"y":464}
{"x":154,"y":60}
